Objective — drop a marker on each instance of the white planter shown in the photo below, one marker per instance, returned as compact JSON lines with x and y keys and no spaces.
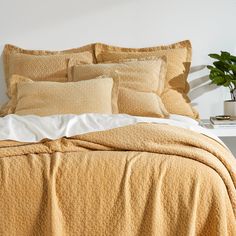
{"x":230,"y":108}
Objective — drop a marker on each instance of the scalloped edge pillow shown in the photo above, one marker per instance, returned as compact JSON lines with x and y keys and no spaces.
{"x":43,"y":98}
{"x":43,"y":65}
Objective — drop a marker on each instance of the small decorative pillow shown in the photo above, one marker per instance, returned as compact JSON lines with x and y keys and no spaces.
{"x":178,"y":57}
{"x":50,"y":98}
{"x":140,"y":84}
{"x":43,"y":65}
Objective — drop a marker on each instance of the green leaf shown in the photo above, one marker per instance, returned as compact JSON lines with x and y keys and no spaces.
{"x":226,"y":84}
{"x":228,"y":78}
{"x":233,"y":58}
{"x":225,"y":55}
{"x":214,"y":56}
{"x":233,"y":68}
{"x":223,"y":66}
{"x":213,"y":75}
{"x":218,"y":80}
{"x":210,"y":67}
{"x":217,"y":71}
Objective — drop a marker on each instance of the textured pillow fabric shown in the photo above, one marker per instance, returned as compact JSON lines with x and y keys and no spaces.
{"x":178,"y":57}
{"x":43,"y":65}
{"x":49,"y":98}
{"x":139,"y":103}
{"x":140,"y":84}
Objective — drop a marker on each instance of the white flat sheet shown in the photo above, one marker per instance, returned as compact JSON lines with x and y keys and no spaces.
{"x":34,"y":128}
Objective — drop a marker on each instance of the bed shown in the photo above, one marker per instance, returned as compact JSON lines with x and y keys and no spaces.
{"x":76,"y":166}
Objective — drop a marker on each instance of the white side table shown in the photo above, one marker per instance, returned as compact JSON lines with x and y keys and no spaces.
{"x":227,"y":135}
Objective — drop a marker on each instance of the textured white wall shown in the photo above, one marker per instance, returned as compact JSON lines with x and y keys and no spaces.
{"x":56,"y":24}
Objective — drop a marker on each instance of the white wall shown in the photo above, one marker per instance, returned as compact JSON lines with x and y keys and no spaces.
{"x":56,"y":24}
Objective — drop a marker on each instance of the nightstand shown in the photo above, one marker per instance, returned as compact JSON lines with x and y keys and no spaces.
{"x":227,"y":135}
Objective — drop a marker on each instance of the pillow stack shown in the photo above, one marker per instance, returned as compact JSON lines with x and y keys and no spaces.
{"x":140,"y":84}
{"x":178,"y":55}
{"x":99,"y":78}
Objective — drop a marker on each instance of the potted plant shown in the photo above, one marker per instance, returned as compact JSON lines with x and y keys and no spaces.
{"x":223,"y":73}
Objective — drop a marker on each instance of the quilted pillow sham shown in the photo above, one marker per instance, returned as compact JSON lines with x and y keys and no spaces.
{"x":140,"y":84}
{"x":178,"y":56}
{"x":43,"y":65}
{"x":44,"y":98}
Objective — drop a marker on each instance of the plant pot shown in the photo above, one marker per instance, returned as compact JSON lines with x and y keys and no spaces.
{"x":230,"y":107}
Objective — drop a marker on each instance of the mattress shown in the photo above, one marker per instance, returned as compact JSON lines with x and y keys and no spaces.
{"x":97,"y":174}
